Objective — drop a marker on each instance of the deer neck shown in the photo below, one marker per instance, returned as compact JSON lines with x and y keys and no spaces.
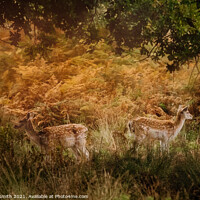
{"x":178,"y":124}
{"x":32,"y":133}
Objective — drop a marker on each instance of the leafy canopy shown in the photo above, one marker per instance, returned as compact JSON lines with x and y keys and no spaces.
{"x":157,"y":27}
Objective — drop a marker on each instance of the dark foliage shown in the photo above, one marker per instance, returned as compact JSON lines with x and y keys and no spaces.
{"x":158,"y":28}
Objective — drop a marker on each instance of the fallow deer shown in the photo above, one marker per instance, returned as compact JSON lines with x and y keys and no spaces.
{"x":67,"y":136}
{"x":163,"y":130}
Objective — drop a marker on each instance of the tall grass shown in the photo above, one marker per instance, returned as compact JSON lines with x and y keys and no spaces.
{"x":119,"y":174}
{"x":101,"y":90}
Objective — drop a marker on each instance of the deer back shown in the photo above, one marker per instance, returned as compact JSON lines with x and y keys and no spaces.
{"x":66,"y":135}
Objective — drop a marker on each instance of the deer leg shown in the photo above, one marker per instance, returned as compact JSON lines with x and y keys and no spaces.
{"x":48,"y":154}
{"x":139,"y":137}
{"x":85,"y":152}
{"x":81,"y":147}
{"x":76,"y":153}
{"x":164,"y":145}
{"x":137,"y":143}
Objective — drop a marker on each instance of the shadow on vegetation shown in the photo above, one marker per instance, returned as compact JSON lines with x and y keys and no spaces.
{"x":123,"y":174}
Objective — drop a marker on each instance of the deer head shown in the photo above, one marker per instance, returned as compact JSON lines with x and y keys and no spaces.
{"x":23,"y":122}
{"x":185,"y":113}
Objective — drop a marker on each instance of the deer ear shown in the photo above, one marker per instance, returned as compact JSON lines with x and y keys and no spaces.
{"x":180,"y":108}
{"x":184,"y":109}
{"x":28,"y":115}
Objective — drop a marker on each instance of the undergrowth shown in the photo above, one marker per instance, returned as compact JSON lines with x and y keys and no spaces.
{"x":74,"y":85}
{"x":121,"y":174}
